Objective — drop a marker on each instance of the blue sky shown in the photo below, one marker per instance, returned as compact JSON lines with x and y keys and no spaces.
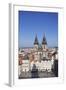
{"x":40,"y":23}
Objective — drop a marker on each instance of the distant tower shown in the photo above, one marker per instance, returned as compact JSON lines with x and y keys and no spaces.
{"x":36,"y":43}
{"x":44,"y":43}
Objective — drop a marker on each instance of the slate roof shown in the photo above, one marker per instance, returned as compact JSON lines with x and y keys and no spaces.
{"x":44,"y":40}
{"x":36,"y":40}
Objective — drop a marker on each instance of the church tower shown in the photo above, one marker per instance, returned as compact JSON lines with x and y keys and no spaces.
{"x":44,"y":43}
{"x":36,"y":43}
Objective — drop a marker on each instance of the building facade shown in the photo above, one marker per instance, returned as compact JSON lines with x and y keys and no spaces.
{"x":40,"y":56}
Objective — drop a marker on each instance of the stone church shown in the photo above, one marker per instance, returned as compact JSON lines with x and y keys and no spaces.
{"x":43,"y":58}
{"x":40,"y":51}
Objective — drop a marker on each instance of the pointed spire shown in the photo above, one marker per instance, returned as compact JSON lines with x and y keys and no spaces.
{"x":44,"y":40}
{"x":36,"y":40}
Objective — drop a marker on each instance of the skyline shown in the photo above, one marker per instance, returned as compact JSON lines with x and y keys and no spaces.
{"x":40,"y":23}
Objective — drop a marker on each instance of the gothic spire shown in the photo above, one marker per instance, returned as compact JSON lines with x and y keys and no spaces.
{"x":36,"y":40}
{"x":44,"y":40}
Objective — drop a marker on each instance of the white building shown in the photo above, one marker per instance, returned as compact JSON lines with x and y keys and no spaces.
{"x":25,"y":64}
{"x":41,"y":59}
